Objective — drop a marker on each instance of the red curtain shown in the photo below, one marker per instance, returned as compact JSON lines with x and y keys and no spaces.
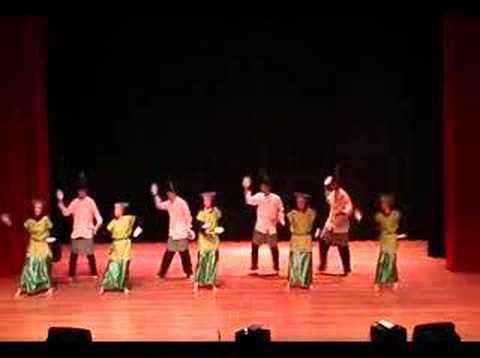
{"x":462,"y":142}
{"x":24,"y":153}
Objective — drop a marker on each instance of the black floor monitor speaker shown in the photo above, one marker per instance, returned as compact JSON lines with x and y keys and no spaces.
{"x":69,"y":335}
{"x":385,"y":332}
{"x":253,"y":335}
{"x":437,"y":332}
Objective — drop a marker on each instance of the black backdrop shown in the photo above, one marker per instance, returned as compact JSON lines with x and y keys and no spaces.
{"x":204,"y":100}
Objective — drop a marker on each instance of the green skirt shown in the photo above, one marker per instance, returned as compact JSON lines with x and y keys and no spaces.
{"x":115,"y":277}
{"x":36,"y":274}
{"x":300,"y":269}
{"x":386,"y":269}
{"x":207,"y":267}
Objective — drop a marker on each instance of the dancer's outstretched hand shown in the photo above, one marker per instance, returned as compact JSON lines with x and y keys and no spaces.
{"x":191,"y":235}
{"x":357,"y":214}
{"x":246,"y":182}
{"x":154,"y":189}
{"x":6,"y":219}
{"x":60,"y":195}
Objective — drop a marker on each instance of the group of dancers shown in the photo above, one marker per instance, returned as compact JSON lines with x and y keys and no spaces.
{"x":125,"y":227}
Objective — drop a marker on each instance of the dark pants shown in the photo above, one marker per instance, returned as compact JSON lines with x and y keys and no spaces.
{"x":167,"y":260}
{"x":344,"y":252}
{"x":275,"y":257}
{"x":72,"y":269}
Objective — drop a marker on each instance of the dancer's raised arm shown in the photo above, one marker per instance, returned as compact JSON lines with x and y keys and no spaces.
{"x":159,"y":204}
{"x":66,"y":211}
{"x":249,"y":198}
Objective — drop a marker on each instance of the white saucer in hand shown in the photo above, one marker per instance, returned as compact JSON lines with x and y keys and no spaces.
{"x":219,"y":230}
{"x":51,"y":240}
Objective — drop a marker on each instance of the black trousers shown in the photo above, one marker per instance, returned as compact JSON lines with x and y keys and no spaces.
{"x":72,"y":267}
{"x":167,"y":260}
{"x":275,"y":257}
{"x":344,"y":252}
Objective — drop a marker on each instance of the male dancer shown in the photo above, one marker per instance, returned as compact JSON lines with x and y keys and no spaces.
{"x":270,"y":212}
{"x":337,"y":226}
{"x":86,"y":222}
{"x":179,"y":231}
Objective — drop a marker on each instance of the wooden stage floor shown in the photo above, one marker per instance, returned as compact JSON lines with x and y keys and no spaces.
{"x":336,"y":309}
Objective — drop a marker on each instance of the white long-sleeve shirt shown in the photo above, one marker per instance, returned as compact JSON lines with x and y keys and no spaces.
{"x":180,"y":217}
{"x":85,"y":215}
{"x":341,"y":208}
{"x":270,"y":211}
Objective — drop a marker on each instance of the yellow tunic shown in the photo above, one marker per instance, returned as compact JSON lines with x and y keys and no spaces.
{"x":388,"y":225}
{"x":39,"y":231}
{"x":207,"y":239}
{"x":121,"y":230}
{"x":301,"y":225}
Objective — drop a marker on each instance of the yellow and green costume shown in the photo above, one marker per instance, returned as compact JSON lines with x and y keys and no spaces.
{"x":208,"y":244}
{"x":116,"y":274}
{"x":300,"y":264}
{"x":36,"y":270}
{"x":386,"y":272}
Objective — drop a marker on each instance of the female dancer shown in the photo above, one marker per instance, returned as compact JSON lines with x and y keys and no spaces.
{"x":37,"y":267}
{"x":388,"y":220}
{"x":301,"y":222}
{"x":208,"y":243}
{"x":122,"y":228}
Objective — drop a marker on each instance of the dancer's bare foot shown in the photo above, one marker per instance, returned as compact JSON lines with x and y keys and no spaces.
{"x":395,"y":286}
{"x":95,"y":277}
{"x":101,"y":291}
{"x":376,"y":288}
{"x":71,"y":279}
{"x":49,"y":292}
{"x":287,"y":288}
{"x":195,"y":287}
{"x":18,"y":293}
{"x":126,"y":291}
{"x":214,"y":288}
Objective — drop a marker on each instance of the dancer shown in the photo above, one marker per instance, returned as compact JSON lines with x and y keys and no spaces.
{"x":388,"y":220}
{"x":337,"y":226}
{"x":208,"y":243}
{"x":122,"y":228}
{"x":301,"y":220}
{"x":37,"y":267}
{"x":86,"y":223}
{"x":180,"y":229}
{"x":270,"y":213}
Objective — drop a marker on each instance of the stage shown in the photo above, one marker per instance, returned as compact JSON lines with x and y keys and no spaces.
{"x":336,"y":309}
